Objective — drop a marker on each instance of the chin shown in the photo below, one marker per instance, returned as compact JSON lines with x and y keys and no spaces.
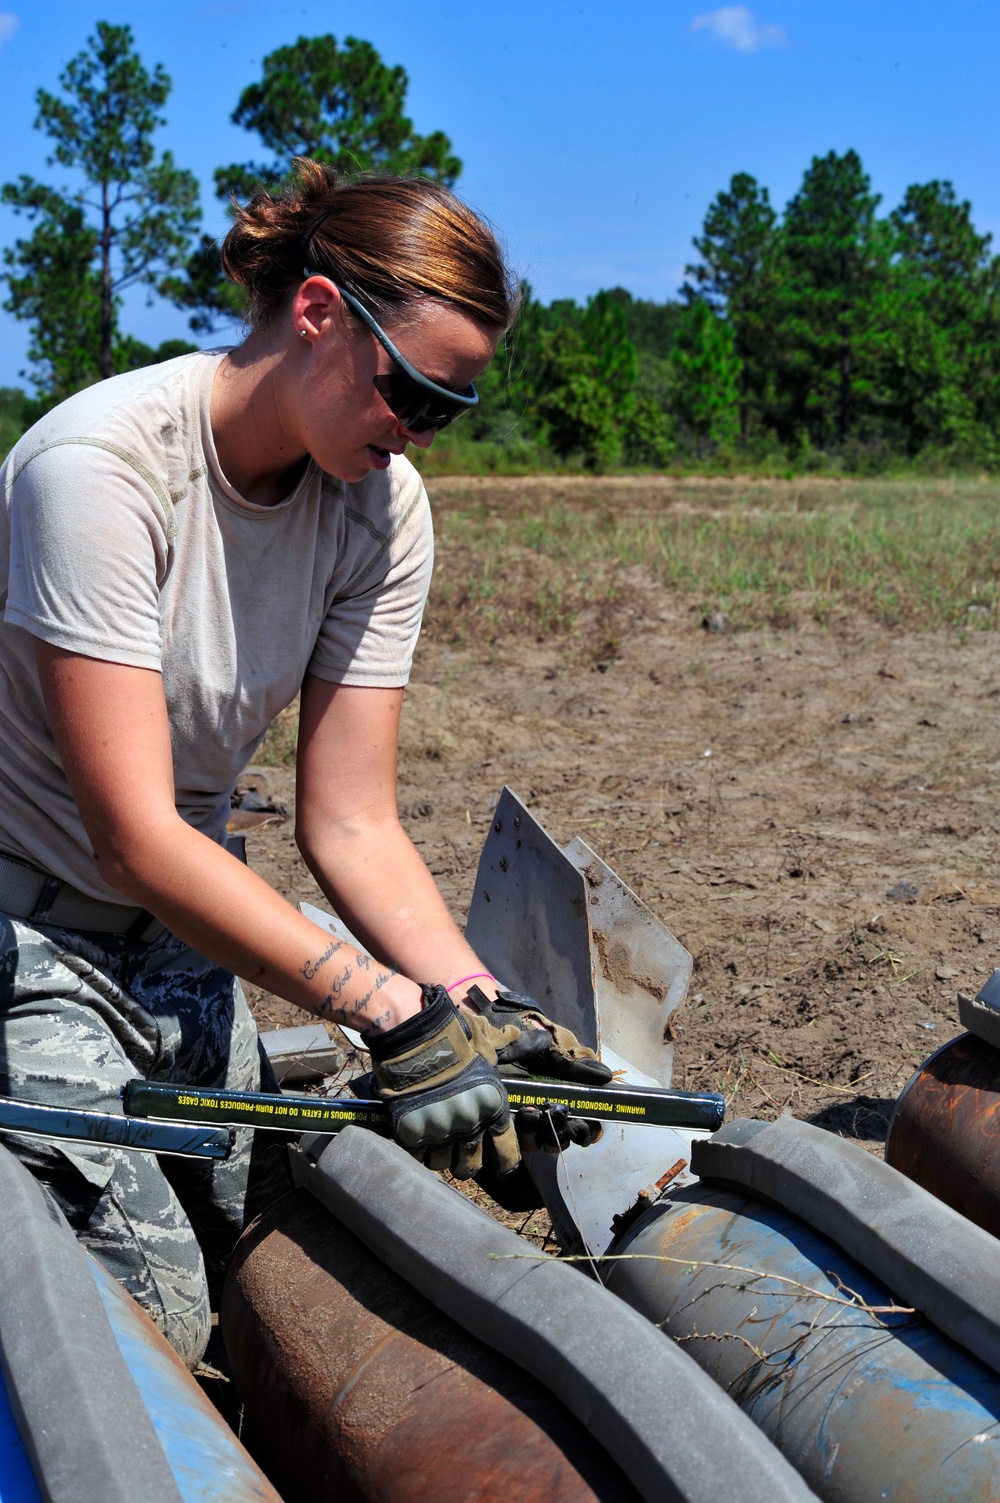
{"x":355,"y":464}
{"x":350,"y":470}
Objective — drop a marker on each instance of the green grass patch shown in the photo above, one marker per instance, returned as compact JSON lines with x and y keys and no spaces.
{"x":280,"y":739}
{"x":543,"y":555}
{"x":580,"y":560}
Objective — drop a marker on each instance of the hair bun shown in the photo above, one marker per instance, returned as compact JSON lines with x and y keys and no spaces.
{"x":391,"y":242}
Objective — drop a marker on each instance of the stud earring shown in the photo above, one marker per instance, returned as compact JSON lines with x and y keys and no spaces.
{"x":303,"y":333}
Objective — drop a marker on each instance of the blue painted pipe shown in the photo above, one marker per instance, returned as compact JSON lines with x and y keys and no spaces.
{"x":96,"y":1407}
{"x":17,"y":1479}
{"x":208,"y":1463}
{"x":867,"y":1406}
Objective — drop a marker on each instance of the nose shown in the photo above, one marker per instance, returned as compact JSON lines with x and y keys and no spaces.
{"x":421,"y":439}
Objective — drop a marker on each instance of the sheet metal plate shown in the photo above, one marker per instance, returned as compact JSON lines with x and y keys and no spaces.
{"x":528,"y":919}
{"x":641,"y":972}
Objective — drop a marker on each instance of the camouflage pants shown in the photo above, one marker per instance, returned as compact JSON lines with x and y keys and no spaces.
{"x":81,"y":1014}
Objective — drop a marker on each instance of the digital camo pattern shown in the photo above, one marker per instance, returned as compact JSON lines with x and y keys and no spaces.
{"x":81,"y":1014}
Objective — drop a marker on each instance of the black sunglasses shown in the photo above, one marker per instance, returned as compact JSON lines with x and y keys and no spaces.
{"x":418,"y":402}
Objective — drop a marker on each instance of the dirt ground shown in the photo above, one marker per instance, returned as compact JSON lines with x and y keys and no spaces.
{"x":813,"y":812}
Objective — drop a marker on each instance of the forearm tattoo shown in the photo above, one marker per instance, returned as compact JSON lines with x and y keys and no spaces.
{"x":331,"y":1006}
{"x":313,"y":967}
{"x":337,"y":985}
{"x":362,"y":1002}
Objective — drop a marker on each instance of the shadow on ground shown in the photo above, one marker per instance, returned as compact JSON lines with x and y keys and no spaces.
{"x":865,"y":1118}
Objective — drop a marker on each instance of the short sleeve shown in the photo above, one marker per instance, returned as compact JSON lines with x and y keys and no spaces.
{"x":90,"y":535}
{"x":370,"y":630}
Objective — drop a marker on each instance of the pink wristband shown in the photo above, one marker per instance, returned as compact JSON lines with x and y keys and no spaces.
{"x":474,"y":977}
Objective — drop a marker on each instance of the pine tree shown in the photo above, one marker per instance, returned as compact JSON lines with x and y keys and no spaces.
{"x":131,"y":222}
{"x":833,"y":279}
{"x":338,"y":104}
{"x":736,"y":276}
{"x":706,"y":371}
{"x":949,"y":290}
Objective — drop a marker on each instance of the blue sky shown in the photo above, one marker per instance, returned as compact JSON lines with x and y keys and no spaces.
{"x":594,"y":134}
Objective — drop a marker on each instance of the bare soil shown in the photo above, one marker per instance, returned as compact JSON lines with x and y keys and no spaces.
{"x":812,"y":811}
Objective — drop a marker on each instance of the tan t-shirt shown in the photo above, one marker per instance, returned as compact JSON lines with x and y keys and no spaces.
{"x":121,"y":539}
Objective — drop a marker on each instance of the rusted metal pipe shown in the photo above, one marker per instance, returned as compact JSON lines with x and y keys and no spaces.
{"x":356,"y":1387}
{"x":945,"y":1130}
{"x":673,"y":1432}
{"x":866,"y":1399}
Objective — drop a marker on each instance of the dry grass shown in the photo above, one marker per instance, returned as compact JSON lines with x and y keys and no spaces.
{"x":545,"y":556}
{"x":575,"y":558}
{"x":278,"y":746}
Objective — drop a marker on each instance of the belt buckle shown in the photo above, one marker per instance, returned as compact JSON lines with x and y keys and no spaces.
{"x":135,"y":934}
{"x":44,"y":903}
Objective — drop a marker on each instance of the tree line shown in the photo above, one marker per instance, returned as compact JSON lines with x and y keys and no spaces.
{"x":828,"y":332}
{"x":825,"y":333}
{"x":136,"y":218}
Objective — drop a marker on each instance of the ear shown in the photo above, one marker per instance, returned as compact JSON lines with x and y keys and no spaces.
{"x":316,"y":307}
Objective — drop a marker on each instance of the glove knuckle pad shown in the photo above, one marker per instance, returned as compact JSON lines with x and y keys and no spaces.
{"x":453,"y":1114}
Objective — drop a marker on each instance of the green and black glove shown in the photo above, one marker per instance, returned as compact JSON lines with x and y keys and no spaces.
{"x":526,"y":1042}
{"x":551,"y":1129}
{"x":442,"y":1090}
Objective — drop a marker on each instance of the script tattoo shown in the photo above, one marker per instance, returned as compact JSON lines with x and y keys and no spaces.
{"x":339,"y":982}
{"x":331,"y":1006}
{"x":362,"y":1002}
{"x":377,"y":1024}
{"x":313,"y":967}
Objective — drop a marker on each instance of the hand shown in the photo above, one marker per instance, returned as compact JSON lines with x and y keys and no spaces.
{"x":442,"y":1090}
{"x":551,"y":1129}
{"x":526,"y":1042}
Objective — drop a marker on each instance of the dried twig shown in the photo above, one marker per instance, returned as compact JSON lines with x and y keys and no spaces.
{"x":798,"y":1289}
{"x":826,"y":1084}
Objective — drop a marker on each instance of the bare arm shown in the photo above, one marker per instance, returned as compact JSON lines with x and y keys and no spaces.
{"x":111,"y":729}
{"x":349,"y":833}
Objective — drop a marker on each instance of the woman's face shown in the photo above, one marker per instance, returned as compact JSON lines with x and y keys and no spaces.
{"x":344,"y":423}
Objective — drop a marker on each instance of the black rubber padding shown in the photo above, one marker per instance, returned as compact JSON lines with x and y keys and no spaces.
{"x":677,"y":1436}
{"x":80,"y":1414}
{"x":981,"y":1017}
{"x":930,"y":1256}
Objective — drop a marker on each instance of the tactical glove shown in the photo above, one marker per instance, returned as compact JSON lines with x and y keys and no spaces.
{"x":526,"y":1042}
{"x":552,"y":1129}
{"x":442,"y":1090}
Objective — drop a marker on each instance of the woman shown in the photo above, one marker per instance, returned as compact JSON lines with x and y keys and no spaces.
{"x":185,"y":548}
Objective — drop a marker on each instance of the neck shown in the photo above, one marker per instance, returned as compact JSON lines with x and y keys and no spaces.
{"x":258,"y":455}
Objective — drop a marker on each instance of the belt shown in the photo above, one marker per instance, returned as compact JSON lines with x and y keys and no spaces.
{"x":27,"y":893}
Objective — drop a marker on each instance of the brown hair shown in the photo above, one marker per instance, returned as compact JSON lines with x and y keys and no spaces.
{"x":389,"y":240}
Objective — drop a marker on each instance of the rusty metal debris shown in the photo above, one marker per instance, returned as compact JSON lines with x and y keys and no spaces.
{"x":355,"y":1387}
{"x":945,"y":1130}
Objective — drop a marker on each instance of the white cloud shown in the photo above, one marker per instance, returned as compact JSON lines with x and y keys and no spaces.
{"x":8,"y":25}
{"x":735,"y":26}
